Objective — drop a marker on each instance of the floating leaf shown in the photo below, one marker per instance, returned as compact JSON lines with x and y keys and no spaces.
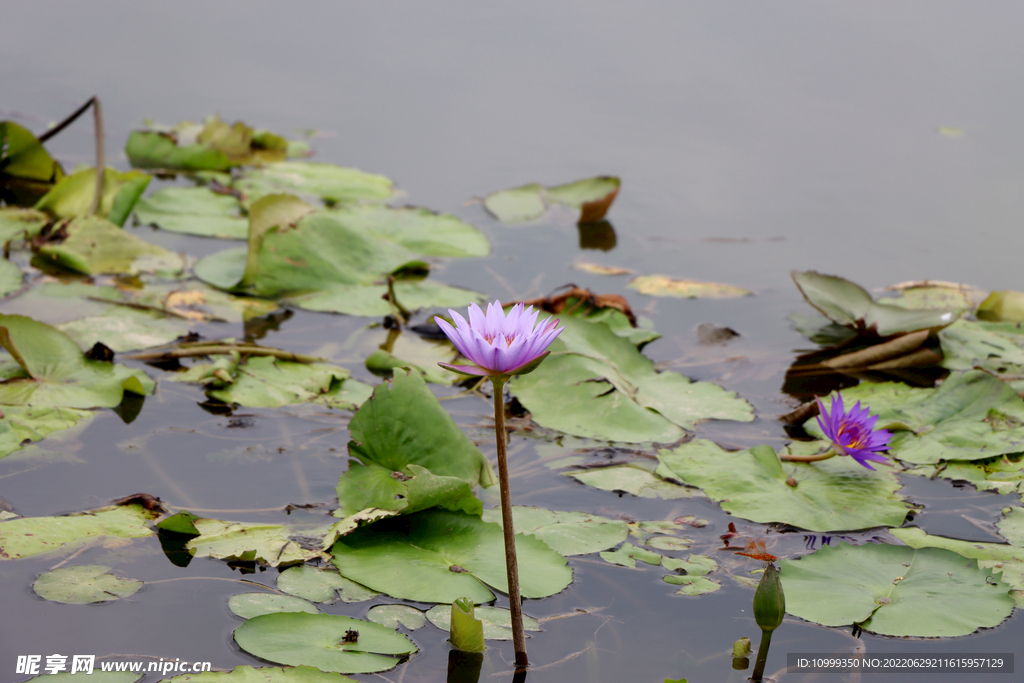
{"x":27,"y":536}
{"x":419,"y":230}
{"x":567,"y":533}
{"x":598,"y":269}
{"x":394,"y":616}
{"x":497,"y":621}
{"x":831,"y":495}
{"x":83,"y":584}
{"x":213,"y":146}
{"x":996,"y":347}
{"x":248,"y":674}
{"x":22,"y":425}
{"x":440,"y":556}
{"x":55,"y":372}
{"x":659,"y":285}
{"x":10,"y":277}
{"x":321,"y":585}
{"x":848,"y":304}
{"x":518,"y":205}
{"x":632,"y":479}
{"x":970,"y":416}
{"x":249,"y":605}
{"x":592,"y":196}
{"x":414,"y":488}
{"x":692,"y":585}
{"x":1005,"y":306}
{"x":1003,"y":474}
{"x":73,"y":195}
{"x":627,"y":555}
{"x":20,"y":223}
{"x":891,"y":590}
{"x":820,"y":329}
{"x":194,"y":211}
{"x":331,"y":183}
{"x":694,"y":565}
{"x":935,"y":296}
{"x":26,"y":169}
{"x":94,"y":246}
{"x":596,"y":384}
{"x":328,"y":642}
{"x":1012,"y":526}
{"x":368,"y":300}
{"x":121,"y":329}
{"x":271,"y":544}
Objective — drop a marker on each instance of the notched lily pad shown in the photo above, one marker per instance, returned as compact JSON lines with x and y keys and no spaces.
{"x":83,"y":584}
{"x":27,"y":536}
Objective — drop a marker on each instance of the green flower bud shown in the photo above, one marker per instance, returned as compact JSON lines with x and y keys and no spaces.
{"x":769,"y":600}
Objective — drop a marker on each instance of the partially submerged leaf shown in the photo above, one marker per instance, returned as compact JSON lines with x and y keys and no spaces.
{"x":831,"y":495}
{"x":518,"y":205}
{"x":891,"y":590}
{"x":333,"y":184}
{"x":692,"y":585}
{"x":394,"y":616}
{"x":55,"y":372}
{"x":194,"y":211}
{"x":22,"y":425}
{"x":83,"y":584}
{"x":321,"y":585}
{"x":270,"y":544}
{"x":27,"y":536}
{"x":11,"y":277}
{"x":20,"y":223}
{"x":632,"y":479}
{"x":568,"y":533}
{"x":627,"y":555}
{"x":659,"y":285}
{"x":328,"y":642}
{"x":93,"y":246}
{"x":213,"y":146}
{"x":591,"y":196}
{"x":124,"y":329}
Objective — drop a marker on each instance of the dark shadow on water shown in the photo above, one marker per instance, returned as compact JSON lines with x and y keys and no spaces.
{"x":598,"y":235}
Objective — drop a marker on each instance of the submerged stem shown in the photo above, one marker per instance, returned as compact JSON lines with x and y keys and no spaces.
{"x":762,"y":655}
{"x":808,"y":458}
{"x":511,"y":566}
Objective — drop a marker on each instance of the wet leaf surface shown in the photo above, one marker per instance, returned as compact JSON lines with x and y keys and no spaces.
{"x":95,"y":246}
{"x":73,"y":195}
{"x":249,"y":605}
{"x":591,"y":196}
{"x":271,"y":544}
{"x":567,"y":533}
{"x":27,"y":536}
{"x":321,"y":585}
{"x":497,"y":621}
{"x":22,"y":425}
{"x":330,"y":183}
{"x":635,"y":480}
{"x":394,"y":616}
{"x":84,"y":584}
{"x":194,"y":211}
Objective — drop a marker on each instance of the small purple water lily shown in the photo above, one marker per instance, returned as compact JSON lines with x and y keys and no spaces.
{"x":499,"y":345}
{"x":853,"y":433}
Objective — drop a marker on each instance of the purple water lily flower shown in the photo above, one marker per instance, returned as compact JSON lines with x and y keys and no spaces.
{"x":853,"y":433}
{"x":499,"y":345}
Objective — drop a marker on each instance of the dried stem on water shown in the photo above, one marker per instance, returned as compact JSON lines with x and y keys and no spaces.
{"x":511,"y":566}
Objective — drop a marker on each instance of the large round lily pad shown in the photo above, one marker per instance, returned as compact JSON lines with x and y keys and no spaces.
{"x":441,"y":556}
{"x":84,"y":584}
{"x":895,"y":590}
{"x":328,"y":642}
{"x":250,"y":605}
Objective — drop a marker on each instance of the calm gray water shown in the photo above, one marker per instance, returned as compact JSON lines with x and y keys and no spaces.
{"x":878,"y":141}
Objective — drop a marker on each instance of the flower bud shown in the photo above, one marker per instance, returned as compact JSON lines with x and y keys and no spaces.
{"x":769,"y":600}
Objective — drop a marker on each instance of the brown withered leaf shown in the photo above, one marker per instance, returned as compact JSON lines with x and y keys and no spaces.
{"x":579,"y":299}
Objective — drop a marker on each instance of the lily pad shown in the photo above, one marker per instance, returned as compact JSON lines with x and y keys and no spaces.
{"x":328,"y":642}
{"x":692,"y":585}
{"x":54,"y":372}
{"x":11,"y":277}
{"x":23,"y":425}
{"x":20,"y":223}
{"x":935,"y":296}
{"x":83,"y":584}
{"x":394,"y":616}
{"x":1002,"y":474}
{"x":518,"y":205}
{"x":270,"y":544}
{"x":249,"y":605}
{"x":1005,"y":306}
{"x":441,"y":556}
{"x":568,"y":533}
{"x":632,"y":479}
{"x":597,"y":384}
{"x":212,"y":146}
{"x":830,"y":495}
{"x":694,"y":565}
{"x":26,"y":169}
{"x":497,"y":621}
{"x":331,"y":183}
{"x":368,"y":300}
{"x":372,"y":487}
{"x":415,"y":352}
{"x":970,"y":416}
{"x":95,"y":246}
{"x":248,"y":674}
{"x":599,"y":269}
{"x":659,"y":285}
{"x":592,"y":196}
{"x":891,"y":590}
{"x":27,"y":536}
{"x":998,"y":347}
{"x":627,"y":555}
{"x":194,"y":211}
{"x":321,"y":585}
{"x":121,"y":329}
{"x":850,"y":305}
{"x":419,"y":230}
{"x":73,"y":195}
{"x":1011,"y":527}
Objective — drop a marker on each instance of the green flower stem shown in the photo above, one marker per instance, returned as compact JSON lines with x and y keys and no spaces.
{"x":807,"y":458}
{"x":762,"y":655}
{"x":511,"y":565}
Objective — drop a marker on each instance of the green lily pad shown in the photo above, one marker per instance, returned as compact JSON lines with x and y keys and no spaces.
{"x":1005,"y":306}
{"x":441,"y":556}
{"x":596,"y":384}
{"x":692,"y":585}
{"x":11,"y":277}
{"x":627,"y":555}
{"x":936,"y":296}
{"x":249,"y":605}
{"x":592,"y":196}
{"x":73,"y":195}
{"x":1011,"y":527}
{"x":1006,"y":560}
{"x":372,"y":487}
{"x":212,"y":146}
{"x":668,"y":543}
{"x":419,"y":230}
{"x":368,"y":300}
{"x":970,"y":416}
{"x":830,"y":495}
{"x":659,"y":285}
{"x":83,"y":584}
{"x":248,"y":674}
{"x":22,"y":425}
{"x":331,"y":183}
{"x":633,"y":479}
{"x":268,"y":382}
{"x":394,"y":616}
{"x":270,"y":544}
{"x":95,"y":246}
{"x":518,"y":205}
{"x":122,"y":329}
{"x":567,"y":533}
{"x":892,"y":590}
{"x":998,"y":347}
{"x":694,"y":565}
{"x":20,"y":223}
{"x":26,"y":168}
{"x":328,"y":642}
{"x":1002,"y":474}
{"x":194,"y":211}
{"x":321,"y":585}
{"x":850,"y":305}
{"x":497,"y":620}
{"x":54,"y":372}
{"x":419,"y":354}
{"x":27,"y":536}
